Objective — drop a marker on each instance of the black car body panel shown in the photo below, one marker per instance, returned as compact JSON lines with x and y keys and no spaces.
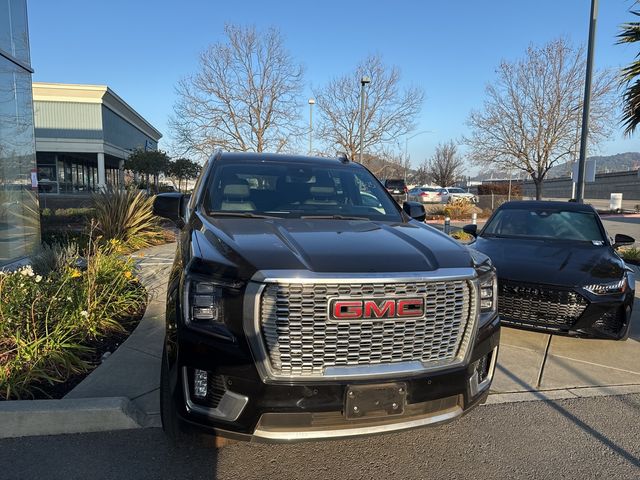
{"x":330,"y":245}
{"x":554,"y":274}
{"x":237,"y":251}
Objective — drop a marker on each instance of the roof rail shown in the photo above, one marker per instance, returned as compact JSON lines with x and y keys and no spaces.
{"x":343,"y":157}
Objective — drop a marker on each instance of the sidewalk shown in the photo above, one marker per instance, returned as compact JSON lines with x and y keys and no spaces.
{"x":133,"y":370}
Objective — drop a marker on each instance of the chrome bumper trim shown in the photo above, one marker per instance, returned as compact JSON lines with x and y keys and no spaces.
{"x":476,"y":388}
{"x":301,"y":435}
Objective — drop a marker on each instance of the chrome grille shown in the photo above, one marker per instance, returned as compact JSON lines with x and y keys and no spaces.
{"x":539,"y":306}
{"x":301,"y":340}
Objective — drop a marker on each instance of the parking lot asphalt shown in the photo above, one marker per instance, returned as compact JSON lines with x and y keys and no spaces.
{"x":580,"y":438}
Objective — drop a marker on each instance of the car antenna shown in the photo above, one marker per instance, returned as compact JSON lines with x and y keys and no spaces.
{"x":343,"y":157}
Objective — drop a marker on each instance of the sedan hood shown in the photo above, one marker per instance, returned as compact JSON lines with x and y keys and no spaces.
{"x":337,"y":246}
{"x":557,"y":263}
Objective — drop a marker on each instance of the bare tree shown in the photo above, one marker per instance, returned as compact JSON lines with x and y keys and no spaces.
{"x":390,"y":111}
{"x":245,"y":96}
{"x":421,"y":175}
{"x":445,"y":166}
{"x":532,"y":114}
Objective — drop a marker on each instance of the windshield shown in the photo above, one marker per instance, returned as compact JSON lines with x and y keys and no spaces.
{"x":394,"y":183}
{"x":456,"y":190}
{"x":547,"y":224}
{"x":298,"y":190}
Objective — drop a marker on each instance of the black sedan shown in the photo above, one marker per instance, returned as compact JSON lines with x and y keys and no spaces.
{"x":558,"y":271}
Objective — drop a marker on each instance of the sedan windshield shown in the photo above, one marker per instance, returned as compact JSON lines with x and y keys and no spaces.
{"x":296,"y":190}
{"x":546,"y":224}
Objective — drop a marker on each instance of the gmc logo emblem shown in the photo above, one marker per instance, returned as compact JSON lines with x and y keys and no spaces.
{"x":371,"y":309}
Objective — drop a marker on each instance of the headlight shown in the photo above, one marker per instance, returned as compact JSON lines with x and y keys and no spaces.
{"x":607,"y":288}
{"x":488,"y":293}
{"x":205,"y":303}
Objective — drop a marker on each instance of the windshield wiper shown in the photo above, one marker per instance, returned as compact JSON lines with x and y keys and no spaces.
{"x":331,"y":217}
{"x":239,"y":215}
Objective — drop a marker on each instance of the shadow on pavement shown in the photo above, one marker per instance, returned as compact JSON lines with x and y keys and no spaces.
{"x":579,"y":423}
{"x":119,"y":457}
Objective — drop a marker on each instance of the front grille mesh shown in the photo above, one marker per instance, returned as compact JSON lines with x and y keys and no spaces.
{"x":611,"y":322}
{"x":301,"y":340}
{"x":545,"y":307}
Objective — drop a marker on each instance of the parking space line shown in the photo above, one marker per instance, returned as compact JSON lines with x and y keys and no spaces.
{"x":595,"y":364}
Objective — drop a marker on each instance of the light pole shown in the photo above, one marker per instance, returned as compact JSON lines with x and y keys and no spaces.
{"x":587,"y":99}
{"x":363,"y":81}
{"x":406,"y":146}
{"x":311,"y":102}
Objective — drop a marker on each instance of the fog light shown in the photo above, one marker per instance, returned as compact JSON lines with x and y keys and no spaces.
{"x":200,"y":383}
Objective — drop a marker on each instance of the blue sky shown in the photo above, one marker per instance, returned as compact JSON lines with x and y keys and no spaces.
{"x":449,"y":48}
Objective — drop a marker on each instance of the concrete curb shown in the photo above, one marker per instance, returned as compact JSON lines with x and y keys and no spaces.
{"x":561,"y":394}
{"x":22,"y":418}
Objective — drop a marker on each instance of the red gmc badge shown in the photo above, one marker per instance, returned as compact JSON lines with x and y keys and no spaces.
{"x":372,"y":309}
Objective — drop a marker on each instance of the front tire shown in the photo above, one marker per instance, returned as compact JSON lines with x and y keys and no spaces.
{"x":168,"y":411}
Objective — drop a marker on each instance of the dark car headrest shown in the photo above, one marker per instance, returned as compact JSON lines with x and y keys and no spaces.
{"x":322,"y":191}
{"x":236,"y":190}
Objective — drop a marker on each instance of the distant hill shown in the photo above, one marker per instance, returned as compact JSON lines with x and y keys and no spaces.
{"x":613,"y":163}
{"x":619,"y":162}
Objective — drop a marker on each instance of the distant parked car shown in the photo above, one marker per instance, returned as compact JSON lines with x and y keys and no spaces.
{"x":558,"y":272}
{"x":397,"y":188}
{"x":451,"y":194}
{"x":425,"y":194}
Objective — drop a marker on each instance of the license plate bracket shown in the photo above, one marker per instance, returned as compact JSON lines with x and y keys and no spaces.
{"x":374,"y":401}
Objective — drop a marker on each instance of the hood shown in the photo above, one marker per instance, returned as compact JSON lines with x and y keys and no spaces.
{"x":328,"y":246}
{"x":554,"y":263}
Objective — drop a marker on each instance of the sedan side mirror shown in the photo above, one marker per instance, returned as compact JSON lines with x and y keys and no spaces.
{"x":170,"y":206}
{"x":622,"y":240}
{"x":415,"y":210}
{"x":471,"y":229}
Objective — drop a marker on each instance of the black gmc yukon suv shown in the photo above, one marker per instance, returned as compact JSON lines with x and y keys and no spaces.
{"x":304,"y":303}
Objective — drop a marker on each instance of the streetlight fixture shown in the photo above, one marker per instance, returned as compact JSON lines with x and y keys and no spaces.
{"x":406,"y":146}
{"x":311,"y":103}
{"x":363,"y":81}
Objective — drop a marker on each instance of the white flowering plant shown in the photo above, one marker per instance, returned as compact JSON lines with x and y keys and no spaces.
{"x":49,"y":319}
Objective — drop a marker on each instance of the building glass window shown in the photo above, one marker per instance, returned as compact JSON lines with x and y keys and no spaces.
{"x":19,"y":211}
{"x":14,"y":34}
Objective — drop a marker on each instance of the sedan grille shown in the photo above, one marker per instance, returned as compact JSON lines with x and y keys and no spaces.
{"x":301,"y":340}
{"x":545,"y":307}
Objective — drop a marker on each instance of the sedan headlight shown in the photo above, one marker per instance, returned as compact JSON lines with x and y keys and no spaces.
{"x":610,"y":288}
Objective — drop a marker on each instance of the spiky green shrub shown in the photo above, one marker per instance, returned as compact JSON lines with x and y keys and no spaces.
{"x":127,"y":217}
{"x":631,"y":254}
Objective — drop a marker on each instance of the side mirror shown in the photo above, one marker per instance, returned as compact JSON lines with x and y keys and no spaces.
{"x":170,"y":206}
{"x":471,"y":229}
{"x":415,"y":210}
{"x":621,"y":240}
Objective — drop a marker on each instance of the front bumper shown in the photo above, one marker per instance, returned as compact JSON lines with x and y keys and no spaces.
{"x":603,"y":317}
{"x":281,"y":412}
